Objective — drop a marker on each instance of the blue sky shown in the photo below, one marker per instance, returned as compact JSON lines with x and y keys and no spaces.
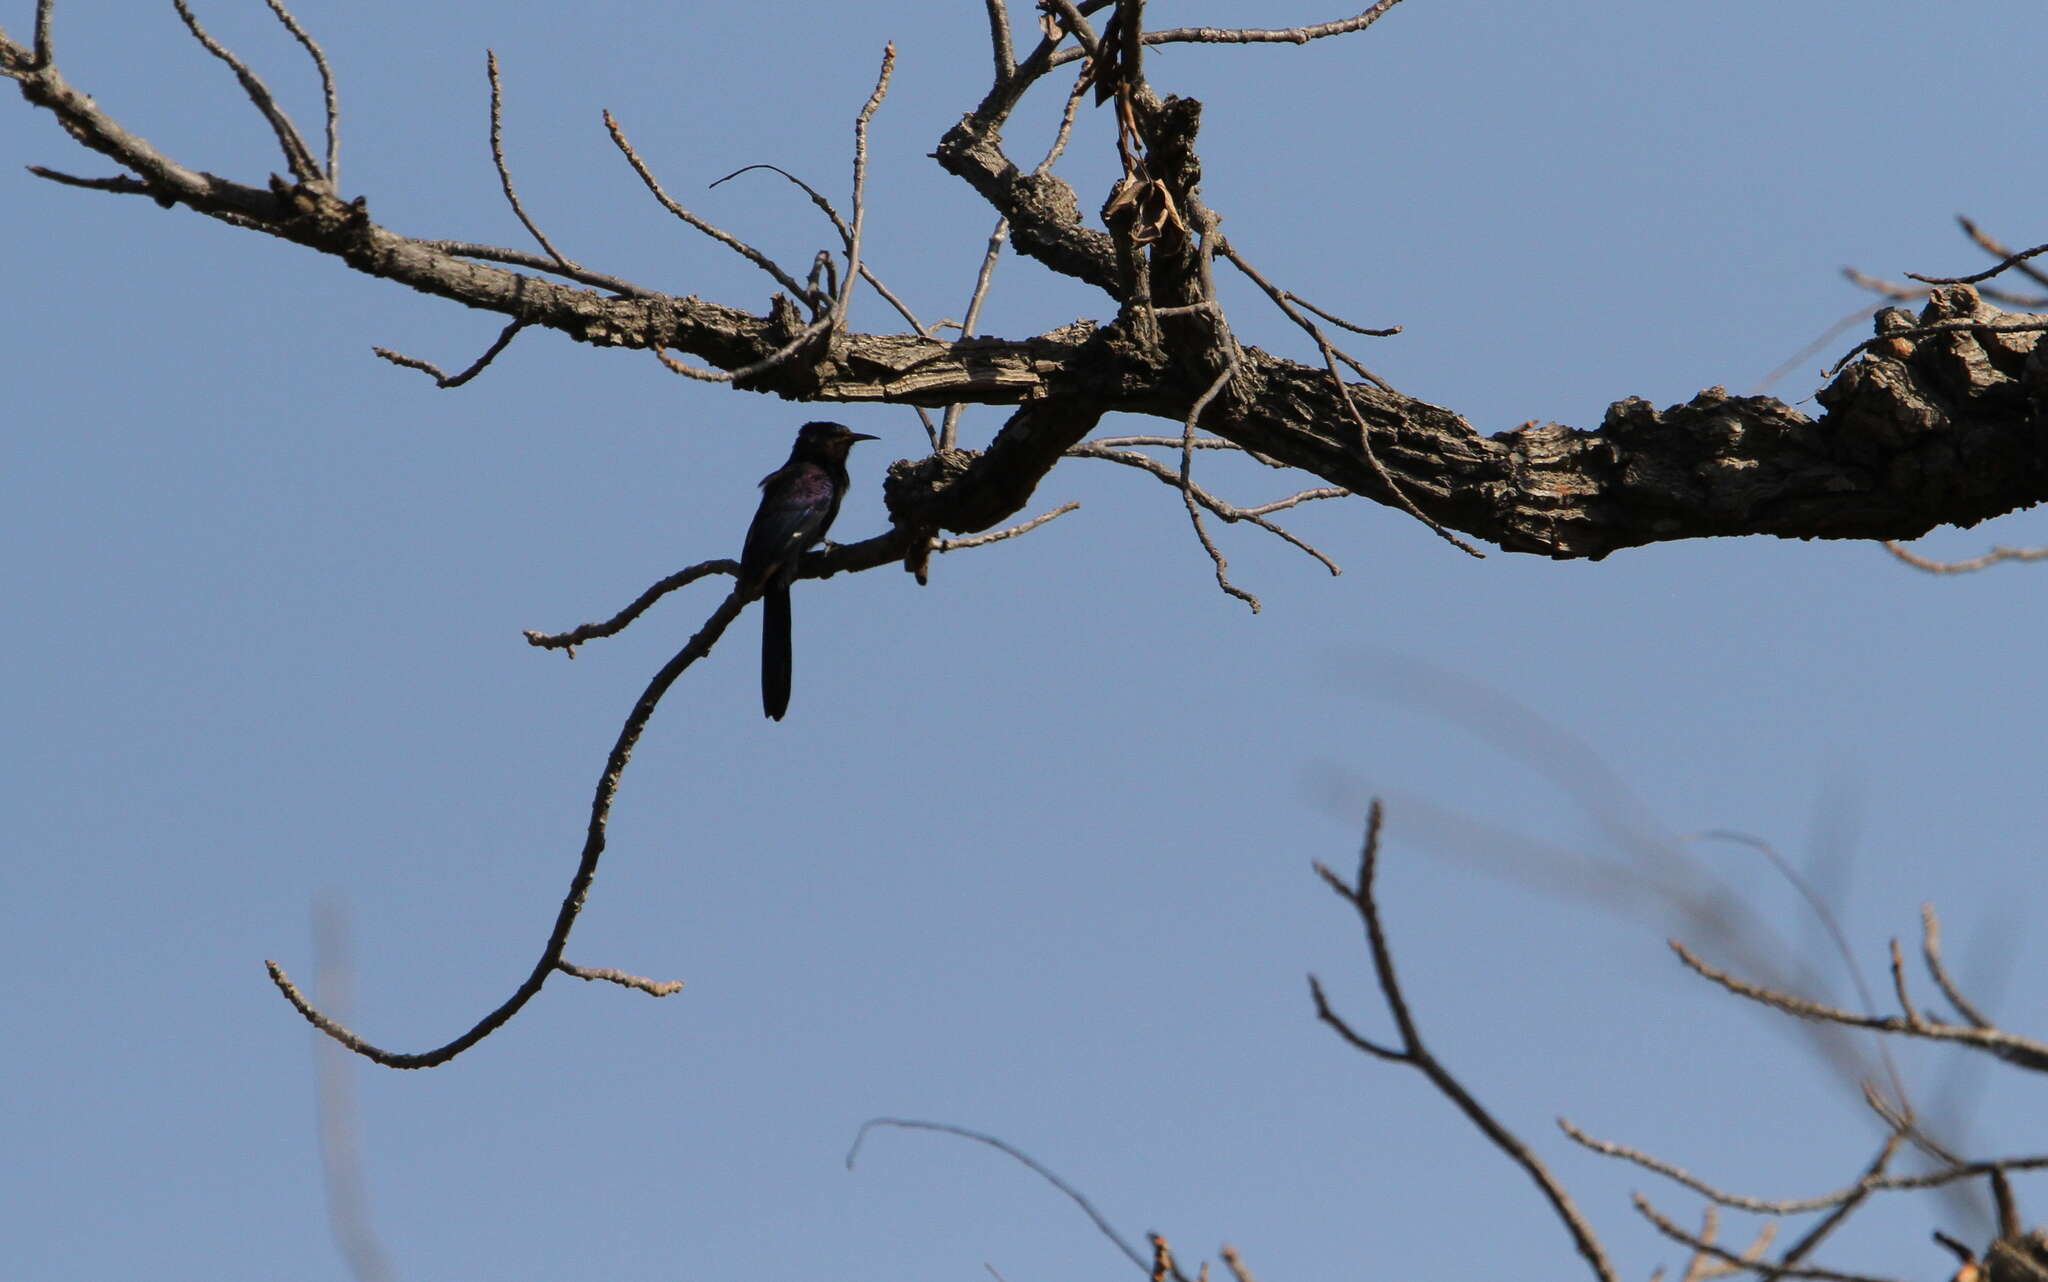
{"x":1031,"y":854}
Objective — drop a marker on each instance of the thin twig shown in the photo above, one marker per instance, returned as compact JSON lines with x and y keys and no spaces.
{"x":1818,"y":906}
{"x":1810,"y":1240}
{"x":1930,"y":950}
{"x":1227,"y":512}
{"x":503,"y":340}
{"x":2007,"y":263}
{"x":1339,"y":321}
{"x":122,"y":183}
{"x":997,"y":536}
{"x":772,"y":359}
{"x":297,"y":157}
{"x":1873,"y":1181}
{"x":2020,"y":1051}
{"x":845,"y":236}
{"x":949,"y":434}
{"x":730,"y":241}
{"x":1412,"y":1052}
{"x":1808,"y":352}
{"x":329,"y":97}
{"x":1331,"y":356}
{"x":617,"y":623}
{"x":1185,"y":481}
{"x":1679,"y":1235}
{"x":860,"y":182}
{"x":1968,"y":564}
{"x":1167,"y":442}
{"x":1938,"y":327}
{"x":579,"y":886}
{"x":1065,"y":130}
{"x":1998,"y":249}
{"x":1044,"y":1172}
{"x":523,"y":258}
{"x":639,"y":983}
{"x":505,"y":173}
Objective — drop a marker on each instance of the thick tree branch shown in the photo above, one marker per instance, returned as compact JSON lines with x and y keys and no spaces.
{"x":1931,"y":428}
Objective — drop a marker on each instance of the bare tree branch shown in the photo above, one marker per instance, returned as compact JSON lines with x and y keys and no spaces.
{"x":296,"y":155}
{"x":1412,"y":1052}
{"x":1037,"y":1168}
{"x":638,"y":983}
{"x":1677,"y":1234}
{"x":442,"y":380}
{"x":579,"y":886}
{"x":505,"y":173}
{"x":668,"y":202}
{"x":1966,"y":565}
{"x":2020,"y":1051}
{"x":330,"y":98}
{"x":997,"y":536}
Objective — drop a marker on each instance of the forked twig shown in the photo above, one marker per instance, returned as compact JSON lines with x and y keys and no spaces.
{"x":297,"y":157}
{"x":2010,"y":1047}
{"x":329,"y":97}
{"x":1412,"y":1052}
{"x":1227,"y":512}
{"x":503,"y":340}
{"x":1693,"y":1240}
{"x":1185,"y":483}
{"x":845,"y":236}
{"x":1331,"y":356}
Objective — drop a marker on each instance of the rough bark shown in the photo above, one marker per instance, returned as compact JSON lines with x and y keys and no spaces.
{"x":1937,"y":429}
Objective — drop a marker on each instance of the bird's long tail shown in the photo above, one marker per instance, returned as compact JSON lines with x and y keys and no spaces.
{"x":775,"y":661}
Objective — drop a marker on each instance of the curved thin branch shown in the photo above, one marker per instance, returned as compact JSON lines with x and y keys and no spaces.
{"x":2008,"y":263}
{"x":845,"y":236}
{"x":1037,"y":1168}
{"x":1229,"y":512}
{"x":617,"y":623}
{"x":579,"y":886}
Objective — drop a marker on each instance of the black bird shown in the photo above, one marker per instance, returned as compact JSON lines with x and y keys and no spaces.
{"x":798,"y":501}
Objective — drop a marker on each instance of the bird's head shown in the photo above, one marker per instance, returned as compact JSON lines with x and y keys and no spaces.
{"x":828,"y":440}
